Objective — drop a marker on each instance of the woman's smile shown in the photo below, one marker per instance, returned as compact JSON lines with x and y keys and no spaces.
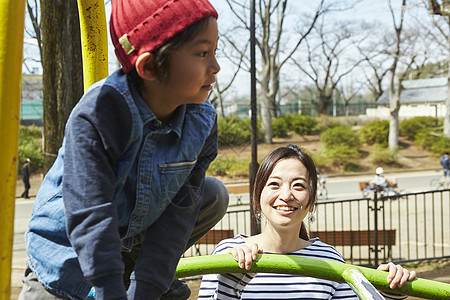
{"x":285,"y":210}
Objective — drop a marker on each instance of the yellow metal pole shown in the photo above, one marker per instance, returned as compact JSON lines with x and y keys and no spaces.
{"x":94,"y":40}
{"x":12,"y":18}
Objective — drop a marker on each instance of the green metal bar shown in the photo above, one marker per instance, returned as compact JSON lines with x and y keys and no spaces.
{"x":360,"y":285}
{"x":285,"y":264}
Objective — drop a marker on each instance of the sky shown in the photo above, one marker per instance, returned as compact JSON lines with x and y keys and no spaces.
{"x":366,"y":10}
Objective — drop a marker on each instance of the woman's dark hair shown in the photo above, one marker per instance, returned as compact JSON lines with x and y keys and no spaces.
{"x":266,"y":168}
{"x":162,"y":53}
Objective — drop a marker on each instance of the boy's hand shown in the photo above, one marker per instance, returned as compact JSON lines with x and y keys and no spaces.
{"x":397,"y":274}
{"x":245,"y":254}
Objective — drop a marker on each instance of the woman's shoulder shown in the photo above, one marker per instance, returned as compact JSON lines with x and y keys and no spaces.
{"x":225,"y":244}
{"x":320,"y":250}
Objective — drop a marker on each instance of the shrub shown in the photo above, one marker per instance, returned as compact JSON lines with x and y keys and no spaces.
{"x":219,"y":167}
{"x":410,"y":127}
{"x":434,"y":143}
{"x":341,"y":147}
{"x":326,"y":122}
{"x":228,"y":166}
{"x":340,"y":135}
{"x":424,"y":139}
{"x":384,"y":156}
{"x":233,"y":131}
{"x":248,"y":124}
{"x":342,"y":155}
{"x":279,"y":127}
{"x":301,"y":125}
{"x":320,"y":160}
{"x":30,"y":146}
{"x":375,"y":132}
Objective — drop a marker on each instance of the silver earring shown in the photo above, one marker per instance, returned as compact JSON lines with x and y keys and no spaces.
{"x":258,"y":215}
{"x":311,"y":218}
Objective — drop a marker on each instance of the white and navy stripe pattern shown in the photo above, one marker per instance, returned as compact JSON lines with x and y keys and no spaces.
{"x":277,"y":286}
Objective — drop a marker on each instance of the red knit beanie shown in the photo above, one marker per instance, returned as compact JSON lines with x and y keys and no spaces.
{"x":139,"y":26}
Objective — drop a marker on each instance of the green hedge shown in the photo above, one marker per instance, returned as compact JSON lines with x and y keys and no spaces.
{"x":228,"y":167}
{"x":233,"y":131}
{"x":382,"y":156}
{"x":30,"y":146}
{"x":434,"y":143}
{"x":375,"y":132}
{"x":279,"y":127}
{"x":410,"y":127}
{"x":341,"y":147}
{"x":300,"y":124}
{"x":340,"y":135}
{"x":343,"y":156}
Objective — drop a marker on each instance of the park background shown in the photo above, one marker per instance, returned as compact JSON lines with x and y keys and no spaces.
{"x":317,"y":95}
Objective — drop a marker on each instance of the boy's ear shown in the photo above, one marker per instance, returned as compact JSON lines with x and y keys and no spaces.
{"x":145,"y":65}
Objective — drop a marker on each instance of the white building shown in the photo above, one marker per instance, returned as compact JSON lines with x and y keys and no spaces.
{"x":420,"y":97}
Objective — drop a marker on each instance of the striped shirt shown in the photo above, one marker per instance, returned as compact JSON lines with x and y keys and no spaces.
{"x":277,"y":286}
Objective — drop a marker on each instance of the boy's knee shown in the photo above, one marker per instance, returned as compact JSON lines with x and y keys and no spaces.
{"x":217,"y":194}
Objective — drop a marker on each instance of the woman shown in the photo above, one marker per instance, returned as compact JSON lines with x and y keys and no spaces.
{"x":285,"y":193}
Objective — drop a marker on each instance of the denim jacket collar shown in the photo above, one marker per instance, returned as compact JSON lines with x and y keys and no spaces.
{"x":148,"y":117}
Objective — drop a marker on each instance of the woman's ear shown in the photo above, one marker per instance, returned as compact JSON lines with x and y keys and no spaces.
{"x":311,"y":208}
{"x":145,"y":66}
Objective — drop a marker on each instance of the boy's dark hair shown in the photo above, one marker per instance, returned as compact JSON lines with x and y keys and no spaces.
{"x":266,"y":168}
{"x":162,"y":53}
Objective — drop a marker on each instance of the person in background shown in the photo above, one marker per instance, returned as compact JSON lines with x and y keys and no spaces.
{"x":445,"y":163}
{"x":285,"y":193}
{"x":127,"y":194}
{"x":26,"y":178}
{"x":379,"y":182}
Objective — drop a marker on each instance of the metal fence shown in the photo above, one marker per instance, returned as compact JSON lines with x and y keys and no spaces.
{"x":367,"y":231}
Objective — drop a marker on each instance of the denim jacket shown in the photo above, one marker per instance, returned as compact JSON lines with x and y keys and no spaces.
{"x":115,"y":174}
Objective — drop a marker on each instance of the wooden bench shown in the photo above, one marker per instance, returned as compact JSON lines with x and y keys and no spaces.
{"x":238,"y":190}
{"x":213,"y":237}
{"x":357,"y":238}
{"x":363,"y":185}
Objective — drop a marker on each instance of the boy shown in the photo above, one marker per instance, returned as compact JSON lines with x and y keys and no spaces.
{"x":128,"y":194}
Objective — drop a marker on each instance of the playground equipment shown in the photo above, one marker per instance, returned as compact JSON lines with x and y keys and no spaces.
{"x":356,"y":276}
{"x":94,"y":41}
{"x":95,"y":67}
{"x":12,"y":18}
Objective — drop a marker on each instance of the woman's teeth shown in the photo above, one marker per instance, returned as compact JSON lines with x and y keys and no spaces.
{"x":285,"y":208}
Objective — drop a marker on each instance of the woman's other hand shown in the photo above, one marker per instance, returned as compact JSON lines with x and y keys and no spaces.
{"x":397,"y":274}
{"x":245,"y":254}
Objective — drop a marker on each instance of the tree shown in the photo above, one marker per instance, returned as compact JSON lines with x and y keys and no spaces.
{"x":62,"y":70}
{"x":327,"y":63}
{"x":397,"y":76}
{"x":443,"y":25}
{"x":274,"y":51}
{"x":217,"y":94}
{"x":375,"y":59}
{"x":35,"y":31}
{"x":349,"y":92}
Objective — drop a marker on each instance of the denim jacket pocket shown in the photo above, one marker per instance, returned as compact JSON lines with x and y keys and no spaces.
{"x":173,"y":176}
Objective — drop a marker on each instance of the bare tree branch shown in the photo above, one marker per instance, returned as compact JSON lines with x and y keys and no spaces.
{"x":33,"y":13}
{"x":326,"y":61}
